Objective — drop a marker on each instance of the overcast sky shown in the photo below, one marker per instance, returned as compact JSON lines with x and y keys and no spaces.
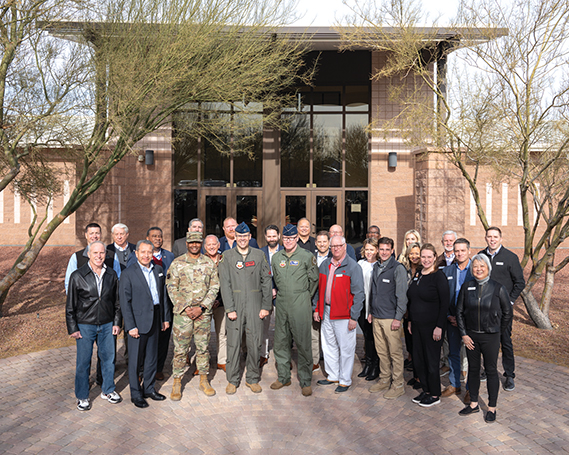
{"x":327,"y":12}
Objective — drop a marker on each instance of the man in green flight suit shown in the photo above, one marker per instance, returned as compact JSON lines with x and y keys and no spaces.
{"x":247,"y":292}
{"x":296,"y":278}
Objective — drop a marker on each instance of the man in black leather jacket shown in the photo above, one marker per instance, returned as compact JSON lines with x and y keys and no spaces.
{"x":92,"y":314}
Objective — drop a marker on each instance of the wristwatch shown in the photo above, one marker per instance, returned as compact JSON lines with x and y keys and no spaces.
{"x":203,"y":308}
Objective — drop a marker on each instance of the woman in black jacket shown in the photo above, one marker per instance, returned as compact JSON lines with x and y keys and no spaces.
{"x":483,"y":310}
{"x":429,"y":298}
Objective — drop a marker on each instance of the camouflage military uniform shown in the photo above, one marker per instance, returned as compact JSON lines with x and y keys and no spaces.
{"x":296,"y":278}
{"x":191,"y":283}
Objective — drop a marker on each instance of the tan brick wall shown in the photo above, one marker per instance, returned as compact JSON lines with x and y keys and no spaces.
{"x":16,"y":234}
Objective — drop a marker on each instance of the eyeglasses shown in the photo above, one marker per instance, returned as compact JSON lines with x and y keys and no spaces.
{"x":337,"y":246}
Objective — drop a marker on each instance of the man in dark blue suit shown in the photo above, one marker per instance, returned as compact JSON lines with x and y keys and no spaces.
{"x":457,"y":274}
{"x":141,"y":294}
{"x":272,"y":237}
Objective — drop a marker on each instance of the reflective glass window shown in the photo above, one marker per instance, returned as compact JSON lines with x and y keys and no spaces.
{"x":327,"y":150}
{"x":326,"y":212}
{"x":295,"y":151}
{"x":215,"y":213}
{"x":357,"y":150}
{"x":295,"y":209}
{"x":247,"y":212}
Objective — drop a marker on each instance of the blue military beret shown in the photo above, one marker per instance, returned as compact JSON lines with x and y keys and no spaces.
{"x":290,"y":230}
{"x":242,"y":228}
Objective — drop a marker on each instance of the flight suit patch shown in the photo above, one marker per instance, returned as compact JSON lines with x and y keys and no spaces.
{"x":293,"y":263}
{"x":282,"y":264}
{"x":250,"y":264}
{"x":239,"y":265}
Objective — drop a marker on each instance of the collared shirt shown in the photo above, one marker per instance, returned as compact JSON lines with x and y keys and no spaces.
{"x":460,"y":277}
{"x":449,"y":259}
{"x":149,"y":276}
{"x":321,"y":258}
{"x":333,"y":266}
{"x":495,"y":252}
{"x":98,"y":278}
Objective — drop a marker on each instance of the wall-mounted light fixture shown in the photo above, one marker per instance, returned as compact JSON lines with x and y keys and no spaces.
{"x":149,"y":161}
{"x":392,"y":159}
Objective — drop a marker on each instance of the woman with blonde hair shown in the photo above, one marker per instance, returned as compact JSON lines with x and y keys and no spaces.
{"x":411,"y":236}
{"x":370,"y":252}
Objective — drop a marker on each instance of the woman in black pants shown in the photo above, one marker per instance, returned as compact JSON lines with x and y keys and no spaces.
{"x":370,"y":253}
{"x":429,"y":298}
{"x":483,"y":310}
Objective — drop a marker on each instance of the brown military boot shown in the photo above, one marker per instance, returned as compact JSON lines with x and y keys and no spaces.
{"x":205,"y":386}
{"x":176,"y":394}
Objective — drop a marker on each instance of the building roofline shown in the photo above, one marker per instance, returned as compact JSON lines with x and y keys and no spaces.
{"x":317,"y":38}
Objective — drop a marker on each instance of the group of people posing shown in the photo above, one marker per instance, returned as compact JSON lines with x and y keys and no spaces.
{"x":319,"y":288}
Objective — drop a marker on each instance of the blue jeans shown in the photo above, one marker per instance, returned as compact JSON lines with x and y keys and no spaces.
{"x":103,"y":335}
{"x":454,"y":345}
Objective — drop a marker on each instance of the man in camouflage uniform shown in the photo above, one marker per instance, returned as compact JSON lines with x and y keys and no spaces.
{"x":193,"y":284}
{"x":296,"y":278}
{"x":247,"y":291}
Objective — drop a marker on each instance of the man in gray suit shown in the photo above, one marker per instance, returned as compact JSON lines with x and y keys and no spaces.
{"x":141,"y":294}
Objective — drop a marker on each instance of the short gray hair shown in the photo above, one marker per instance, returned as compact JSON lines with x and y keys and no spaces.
{"x":481,"y":257}
{"x":194,"y":220}
{"x":447,"y":233}
{"x":93,"y":243}
{"x":120,"y":226}
{"x":143,"y":242}
{"x":211,"y":236}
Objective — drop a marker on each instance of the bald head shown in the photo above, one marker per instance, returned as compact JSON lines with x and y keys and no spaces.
{"x":335,"y":230}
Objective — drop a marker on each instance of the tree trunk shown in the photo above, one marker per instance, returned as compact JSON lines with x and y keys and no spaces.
{"x":548,"y":288}
{"x":532,"y":305}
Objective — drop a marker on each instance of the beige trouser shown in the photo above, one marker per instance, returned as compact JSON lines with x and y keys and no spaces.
{"x":390,"y":351}
{"x":315,"y":331}
{"x":220,"y":331}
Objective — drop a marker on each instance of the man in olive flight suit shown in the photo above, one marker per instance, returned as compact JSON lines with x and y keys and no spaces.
{"x":247,"y":292}
{"x":296,"y":278}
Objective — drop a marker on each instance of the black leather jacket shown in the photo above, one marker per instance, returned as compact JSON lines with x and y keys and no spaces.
{"x":483,"y":308}
{"x":84,"y":306}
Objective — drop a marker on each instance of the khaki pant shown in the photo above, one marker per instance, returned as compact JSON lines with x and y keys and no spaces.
{"x":390,"y":351}
{"x":220,"y":330}
{"x":315,"y":342}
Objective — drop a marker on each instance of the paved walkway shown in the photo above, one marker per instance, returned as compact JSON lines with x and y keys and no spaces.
{"x":38,"y":415}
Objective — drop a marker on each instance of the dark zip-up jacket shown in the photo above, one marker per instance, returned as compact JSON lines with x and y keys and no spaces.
{"x":506,"y":270}
{"x":84,"y":306}
{"x":388,"y":291}
{"x":483,"y":308}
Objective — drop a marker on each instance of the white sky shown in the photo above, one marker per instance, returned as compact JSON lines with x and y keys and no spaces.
{"x":329,"y":12}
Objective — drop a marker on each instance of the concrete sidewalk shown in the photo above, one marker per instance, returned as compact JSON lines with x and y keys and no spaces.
{"x":38,"y":415}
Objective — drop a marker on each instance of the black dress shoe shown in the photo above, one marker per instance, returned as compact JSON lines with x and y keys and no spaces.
{"x":373,"y":373}
{"x":365,"y":371}
{"x":139,"y":402}
{"x":468,"y":410}
{"x":155,"y":396}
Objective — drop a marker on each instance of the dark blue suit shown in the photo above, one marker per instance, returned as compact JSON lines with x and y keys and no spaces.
{"x":224,"y":245}
{"x":140,"y":312}
{"x":453,"y":334}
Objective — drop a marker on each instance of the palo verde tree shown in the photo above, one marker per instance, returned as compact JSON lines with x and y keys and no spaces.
{"x":505,"y":108}
{"x":88,"y":90}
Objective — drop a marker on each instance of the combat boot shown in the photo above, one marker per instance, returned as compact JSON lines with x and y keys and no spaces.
{"x":205,"y":386}
{"x":176,"y":394}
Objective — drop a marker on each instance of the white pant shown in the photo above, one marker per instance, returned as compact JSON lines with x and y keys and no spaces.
{"x":339,"y":348}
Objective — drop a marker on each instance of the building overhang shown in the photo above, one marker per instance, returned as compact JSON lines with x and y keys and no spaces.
{"x":315,"y":38}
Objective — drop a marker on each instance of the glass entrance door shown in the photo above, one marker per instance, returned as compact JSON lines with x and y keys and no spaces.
{"x":322,"y":207}
{"x":243,"y":204}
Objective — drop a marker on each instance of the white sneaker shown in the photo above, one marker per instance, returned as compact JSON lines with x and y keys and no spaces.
{"x":83,"y":405}
{"x":112,"y":397}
